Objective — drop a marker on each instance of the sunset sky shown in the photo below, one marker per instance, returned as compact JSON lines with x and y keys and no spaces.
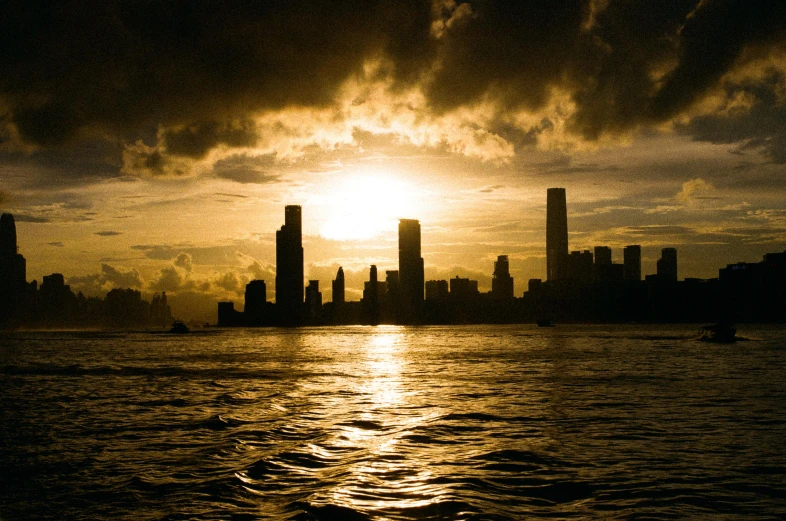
{"x":154,"y":144}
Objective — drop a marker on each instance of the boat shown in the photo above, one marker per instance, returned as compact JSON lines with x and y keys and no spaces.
{"x":178,"y":327}
{"x":718,"y":333}
{"x":544,"y":322}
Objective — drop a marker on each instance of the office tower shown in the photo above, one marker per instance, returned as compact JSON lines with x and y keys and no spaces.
{"x":436,"y":290}
{"x":371,"y":287}
{"x":13,"y":274}
{"x":463,"y":288}
{"x":606,"y":271}
{"x":7,"y":235}
{"x":289,"y":266}
{"x":602,"y":255}
{"x":227,"y":315}
{"x":313,"y":299}
{"x":578,"y":267}
{"x":667,"y":265}
{"x":391,"y":286}
{"x":632,"y":263}
{"x":338,"y":287}
{"x":556,"y":233}
{"x":410,"y":269}
{"x":502,"y":282}
{"x":13,"y":267}
{"x":255,"y":300}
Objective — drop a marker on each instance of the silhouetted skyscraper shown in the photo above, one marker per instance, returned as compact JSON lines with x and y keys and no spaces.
{"x":578,"y":267}
{"x":502,"y":282}
{"x":13,"y":273}
{"x":338,"y":287}
{"x":556,"y":233}
{"x":255,"y":300}
{"x":313,"y":299}
{"x":7,"y":235}
{"x":371,"y":287}
{"x":632,"y":263}
{"x":410,"y":269}
{"x":289,"y":265}
{"x":602,"y":255}
{"x":667,"y":264}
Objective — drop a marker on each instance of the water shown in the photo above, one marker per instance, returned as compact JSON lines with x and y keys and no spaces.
{"x":477,"y":422}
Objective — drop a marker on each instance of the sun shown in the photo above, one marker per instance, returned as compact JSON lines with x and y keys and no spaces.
{"x":363,"y":206}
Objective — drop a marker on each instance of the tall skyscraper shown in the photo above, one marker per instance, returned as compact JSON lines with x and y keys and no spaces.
{"x":7,"y":235}
{"x":632,"y":263}
{"x":338,"y":287}
{"x":13,"y":274}
{"x":371,"y":288}
{"x":556,"y":234}
{"x":13,"y":267}
{"x":289,"y":266}
{"x":502,"y":282}
{"x":667,"y":265}
{"x":410,"y":269}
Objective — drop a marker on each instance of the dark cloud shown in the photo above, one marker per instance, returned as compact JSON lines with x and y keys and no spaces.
{"x":513,"y":51}
{"x":184,"y":256}
{"x":761,"y":125}
{"x":177,"y":79}
{"x":246,"y":169}
{"x":108,"y":233}
{"x":197,"y":140}
{"x":118,"y":278}
{"x":109,"y":277}
{"x":711,"y":40}
{"x":26,"y":218}
{"x":121,"y":66}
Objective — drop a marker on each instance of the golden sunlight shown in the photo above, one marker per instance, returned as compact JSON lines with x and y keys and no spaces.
{"x":364,"y":206}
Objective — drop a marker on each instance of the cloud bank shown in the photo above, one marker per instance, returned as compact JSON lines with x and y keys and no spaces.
{"x":170,"y":83}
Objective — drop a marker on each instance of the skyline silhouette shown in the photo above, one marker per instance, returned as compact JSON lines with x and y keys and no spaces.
{"x":582,"y":286}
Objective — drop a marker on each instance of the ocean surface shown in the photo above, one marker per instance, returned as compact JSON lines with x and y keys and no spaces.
{"x":356,"y":423}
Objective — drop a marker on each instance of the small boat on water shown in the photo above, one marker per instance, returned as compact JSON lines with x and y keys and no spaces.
{"x":178,"y":327}
{"x":544,"y":322}
{"x":718,"y":333}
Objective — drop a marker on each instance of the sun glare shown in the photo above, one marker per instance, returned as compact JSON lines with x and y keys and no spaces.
{"x":364,"y":206}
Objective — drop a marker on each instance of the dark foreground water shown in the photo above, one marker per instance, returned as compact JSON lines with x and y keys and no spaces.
{"x":485,"y":423}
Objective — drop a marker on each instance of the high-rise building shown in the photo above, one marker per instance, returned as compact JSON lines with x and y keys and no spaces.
{"x":391,"y":286}
{"x":578,"y":267}
{"x":371,"y":287}
{"x":436,"y":290}
{"x":602,"y":255}
{"x":667,"y":265}
{"x":313,"y":299}
{"x":255,"y":301}
{"x":289,"y":266}
{"x":7,"y":235}
{"x":13,"y":274}
{"x":410,"y":270}
{"x":632,"y":263}
{"x":556,"y":234}
{"x":338,"y":287}
{"x":502,"y":282}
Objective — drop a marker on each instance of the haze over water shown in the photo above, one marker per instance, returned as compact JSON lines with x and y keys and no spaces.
{"x":476,"y":422}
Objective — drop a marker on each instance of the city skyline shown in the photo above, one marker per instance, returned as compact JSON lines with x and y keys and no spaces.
{"x":580,"y":285}
{"x":133,"y":155}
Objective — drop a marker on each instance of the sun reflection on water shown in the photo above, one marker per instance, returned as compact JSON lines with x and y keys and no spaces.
{"x":386,"y":476}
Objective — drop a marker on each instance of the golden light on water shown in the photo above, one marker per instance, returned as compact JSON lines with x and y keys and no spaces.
{"x":365,"y":205}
